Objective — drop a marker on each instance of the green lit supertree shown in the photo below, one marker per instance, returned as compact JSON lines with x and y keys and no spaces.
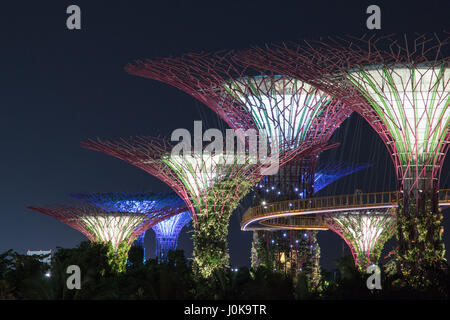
{"x":228,"y":88}
{"x":400,"y":85}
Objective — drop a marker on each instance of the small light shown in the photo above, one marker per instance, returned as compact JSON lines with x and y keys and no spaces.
{"x":296,"y":241}
{"x":296,"y":189}
{"x":263,"y":203}
{"x":290,"y":204}
{"x":48,"y":274}
{"x":273,"y":188}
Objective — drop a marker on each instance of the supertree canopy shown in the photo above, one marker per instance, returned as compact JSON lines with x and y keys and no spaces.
{"x":211,"y":184}
{"x":166,"y":231}
{"x":117,"y":229}
{"x":401,"y":87}
{"x":331,"y":172}
{"x":292,"y":252}
{"x":365,"y":232}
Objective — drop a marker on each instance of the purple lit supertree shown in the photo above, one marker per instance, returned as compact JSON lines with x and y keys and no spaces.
{"x":166,"y":231}
{"x":401,"y":87}
{"x":116,"y":229}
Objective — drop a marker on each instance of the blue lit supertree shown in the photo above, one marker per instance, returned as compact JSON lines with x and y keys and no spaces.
{"x":167,"y":232}
{"x":141,"y":203}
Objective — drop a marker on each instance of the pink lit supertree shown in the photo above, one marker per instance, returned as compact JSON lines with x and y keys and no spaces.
{"x":116,"y":229}
{"x":400,"y":85}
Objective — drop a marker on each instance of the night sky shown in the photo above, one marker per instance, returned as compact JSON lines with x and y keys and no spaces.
{"x":59,"y":87}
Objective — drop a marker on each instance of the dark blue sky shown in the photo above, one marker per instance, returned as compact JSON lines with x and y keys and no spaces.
{"x":59,"y":87}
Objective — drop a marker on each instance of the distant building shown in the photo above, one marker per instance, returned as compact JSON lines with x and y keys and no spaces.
{"x":48,"y":255}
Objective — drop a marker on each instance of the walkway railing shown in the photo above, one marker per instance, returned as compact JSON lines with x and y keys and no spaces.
{"x":312,"y":205}
{"x":296,"y":223}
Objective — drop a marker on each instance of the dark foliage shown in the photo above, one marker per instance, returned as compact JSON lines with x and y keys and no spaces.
{"x":26,"y":277}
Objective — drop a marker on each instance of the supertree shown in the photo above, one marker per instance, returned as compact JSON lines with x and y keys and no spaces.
{"x":211,"y":185}
{"x":116,"y":229}
{"x":401,"y":87}
{"x":166,"y":231}
{"x":364,"y":231}
{"x":289,"y":111}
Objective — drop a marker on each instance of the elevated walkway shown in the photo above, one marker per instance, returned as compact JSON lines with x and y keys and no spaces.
{"x":257,"y":217}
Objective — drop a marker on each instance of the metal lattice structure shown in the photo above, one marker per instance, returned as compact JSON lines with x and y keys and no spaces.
{"x":288,"y":111}
{"x":107,"y":226}
{"x":401,"y":87}
{"x":331,"y":172}
{"x":211,"y":184}
{"x":365,"y":232}
{"x":166,"y":231}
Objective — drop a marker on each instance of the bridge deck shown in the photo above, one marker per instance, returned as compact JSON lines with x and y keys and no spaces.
{"x":358,"y":201}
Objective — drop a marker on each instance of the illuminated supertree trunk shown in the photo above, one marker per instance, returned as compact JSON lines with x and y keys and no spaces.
{"x":141,"y":203}
{"x":365,"y":232}
{"x":167,"y":233}
{"x":116,"y":229}
{"x":401,"y":88}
